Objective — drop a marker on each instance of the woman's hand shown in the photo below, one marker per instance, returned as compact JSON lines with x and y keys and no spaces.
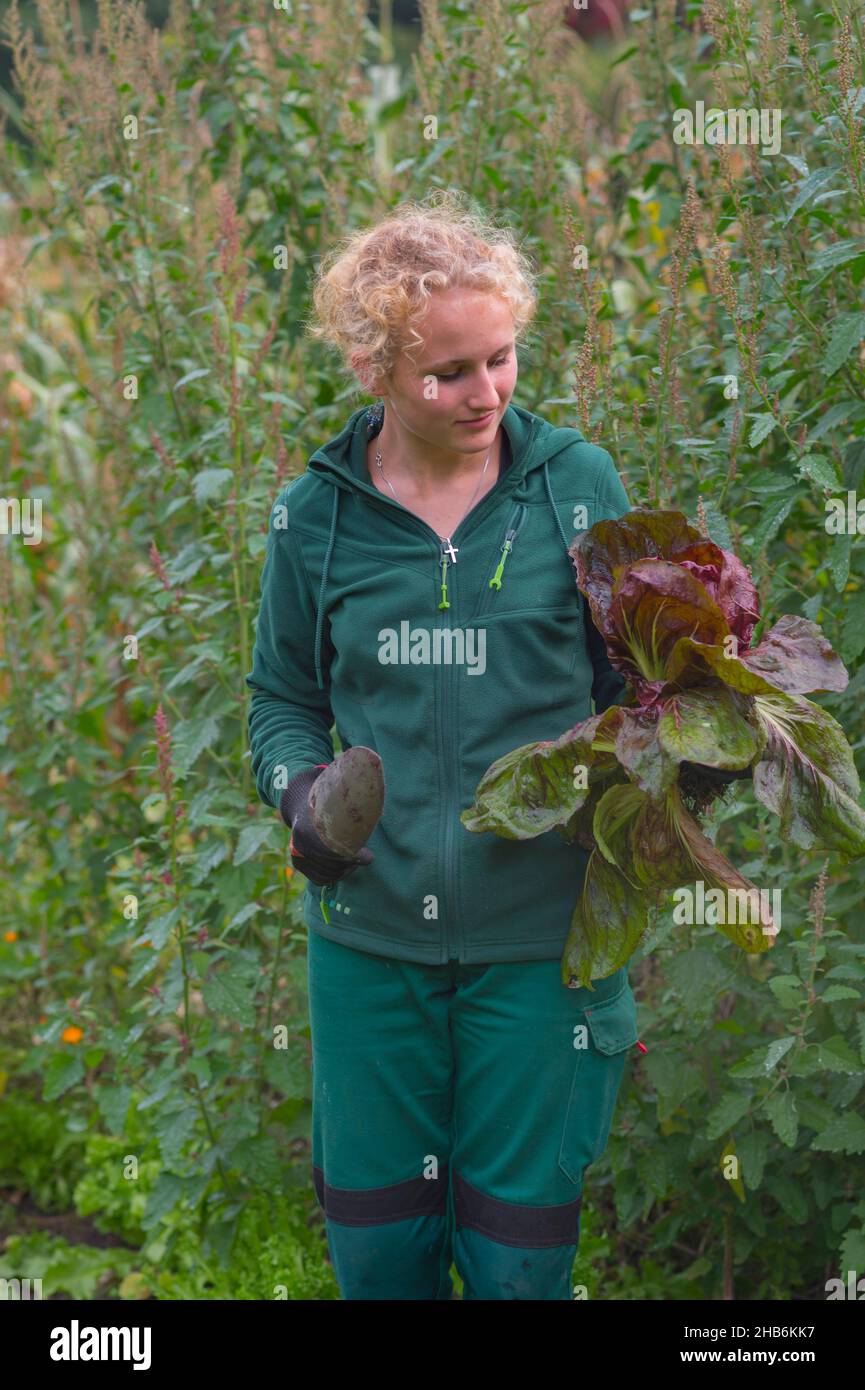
{"x":309,"y":853}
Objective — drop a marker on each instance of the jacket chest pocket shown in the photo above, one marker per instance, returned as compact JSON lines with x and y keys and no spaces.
{"x":529,"y":603}
{"x":610,"y":1029}
{"x":527,"y":568}
{"x":533,"y":648}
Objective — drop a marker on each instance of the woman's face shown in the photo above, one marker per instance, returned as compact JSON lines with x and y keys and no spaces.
{"x":466,"y":369}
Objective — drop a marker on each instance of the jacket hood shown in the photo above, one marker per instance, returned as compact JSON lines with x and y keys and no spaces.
{"x":342,"y":464}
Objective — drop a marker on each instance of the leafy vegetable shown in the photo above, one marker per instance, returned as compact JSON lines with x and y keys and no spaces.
{"x":702,"y":706}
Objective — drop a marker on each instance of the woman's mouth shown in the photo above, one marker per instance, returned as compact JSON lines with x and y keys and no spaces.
{"x":479,"y":422}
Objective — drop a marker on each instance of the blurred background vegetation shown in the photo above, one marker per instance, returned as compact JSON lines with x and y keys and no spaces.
{"x":170,"y":175}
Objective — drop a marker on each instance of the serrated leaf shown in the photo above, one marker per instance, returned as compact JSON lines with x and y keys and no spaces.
{"x":844,"y":1135}
{"x":719,"y":531}
{"x":113,"y":1102}
{"x":837,"y":254}
{"x":193,"y":736}
{"x":244,"y":915}
{"x":172,"y":1132}
{"x":761,"y":429}
{"x":192,"y":376}
{"x":253,"y":838}
{"x":847,"y":334}
{"x":157,"y":930}
{"x":229,"y":994}
{"x":839,"y":561}
{"x":259,"y":1160}
{"x":853,"y":630}
{"x":836,"y":992}
{"x":208,"y":482}
{"x":781,"y":1109}
{"x":207,"y":860}
{"x":167,"y":1192}
{"x":776,"y":1051}
{"x":836,"y":1054}
{"x":62,"y":1072}
{"x":287,"y":1070}
{"x":729,"y":1110}
{"x":815,"y":183}
{"x":753,"y":1149}
{"x":773,"y":518}
{"x":818,"y":468}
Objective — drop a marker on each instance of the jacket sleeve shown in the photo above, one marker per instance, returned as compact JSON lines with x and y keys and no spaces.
{"x":290,"y":719}
{"x":608,"y":686}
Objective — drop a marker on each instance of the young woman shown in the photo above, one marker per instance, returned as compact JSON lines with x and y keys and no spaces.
{"x":417,"y":593}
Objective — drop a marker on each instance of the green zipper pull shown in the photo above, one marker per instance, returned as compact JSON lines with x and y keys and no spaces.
{"x":444,"y":584}
{"x":496,"y":581}
{"x":323,"y":905}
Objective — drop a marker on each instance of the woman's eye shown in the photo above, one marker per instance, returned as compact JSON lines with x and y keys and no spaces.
{"x":450,"y":376}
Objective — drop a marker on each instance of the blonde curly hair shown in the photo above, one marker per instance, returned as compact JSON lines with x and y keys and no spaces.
{"x":375,"y":285}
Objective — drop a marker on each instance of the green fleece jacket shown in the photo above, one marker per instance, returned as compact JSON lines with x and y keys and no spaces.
{"x":442,"y":664}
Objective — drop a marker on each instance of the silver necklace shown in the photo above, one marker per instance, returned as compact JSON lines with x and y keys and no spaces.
{"x":449,"y":547}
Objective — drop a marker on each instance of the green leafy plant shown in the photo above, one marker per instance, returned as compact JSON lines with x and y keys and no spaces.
{"x":677,"y":613}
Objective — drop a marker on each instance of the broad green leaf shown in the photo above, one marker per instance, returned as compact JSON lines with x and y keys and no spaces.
{"x":726,"y":1114}
{"x":761,"y":429}
{"x":167,"y":1192}
{"x":839,"y":561}
{"x":808,"y":188}
{"x":847,"y":333}
{"x":253,"y":839}
{"x":172,"y":1131}
{"x":853,"y":632}
{"x":808,"y":777}
{"x":838,"y":253}
{"x":773,"y":518}
{"x":753,"y":1150}
{"x":192,"y":376}
{"x":210,"y":481}
{"x":193,"y":736}
{"x":259,"y":1160}
{"x":837,"y":1055}
{"x":113,"y":1102}
{"x":818,"y":468}
{"x":709,"y":727}
{"x":230,"y":994}
{"x":62,"y":1072}
{"x":844,"y":1135}
{"x":608,"y":922}
{"x":531,"y":789}
{"x":781,"y":1109}
{"x":836,"y":992}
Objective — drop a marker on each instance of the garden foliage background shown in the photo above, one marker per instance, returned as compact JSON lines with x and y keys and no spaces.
{"x":157,"y":389}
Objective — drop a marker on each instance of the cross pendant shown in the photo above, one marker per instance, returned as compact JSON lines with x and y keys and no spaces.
{"x":450,"y":550}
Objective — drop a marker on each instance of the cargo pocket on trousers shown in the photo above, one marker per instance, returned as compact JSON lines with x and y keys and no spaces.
{"x":611,"y":1029}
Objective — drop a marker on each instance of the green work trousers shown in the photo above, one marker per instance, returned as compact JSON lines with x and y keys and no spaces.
{"x":455,"y":1111}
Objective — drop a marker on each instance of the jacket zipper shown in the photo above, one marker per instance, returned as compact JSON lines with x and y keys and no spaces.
{"x":448,"y":762}
{"x":448,"y":724}
{"x":518,"y":517}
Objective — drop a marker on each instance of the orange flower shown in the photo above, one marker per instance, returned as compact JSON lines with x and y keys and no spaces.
{"x":289,"y":871}
{"x":72,"y":1034}
{"x":43,"y":1018}
{"x":10,"y":936}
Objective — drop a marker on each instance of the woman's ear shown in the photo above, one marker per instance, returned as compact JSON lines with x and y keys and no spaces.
{"x":360,"y":367}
